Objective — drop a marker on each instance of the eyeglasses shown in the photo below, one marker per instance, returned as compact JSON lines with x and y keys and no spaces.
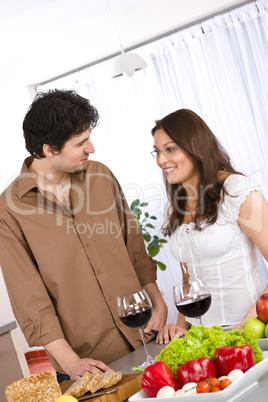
{"x":167,"y":152}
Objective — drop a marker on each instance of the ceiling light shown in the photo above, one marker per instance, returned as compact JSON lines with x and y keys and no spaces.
{"x":127,"y":62}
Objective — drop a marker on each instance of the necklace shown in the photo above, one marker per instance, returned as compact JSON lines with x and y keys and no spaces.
{"x":188,"y":216}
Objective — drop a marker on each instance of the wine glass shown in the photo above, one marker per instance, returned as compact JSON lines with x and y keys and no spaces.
{"x":135,"y":310}
{"x":192,"y":298}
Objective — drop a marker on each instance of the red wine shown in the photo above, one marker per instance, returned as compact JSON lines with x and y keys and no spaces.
{"x":137,"y":319}
{"x":194,"y":307}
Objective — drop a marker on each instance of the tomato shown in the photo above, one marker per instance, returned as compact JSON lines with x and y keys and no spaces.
{"x":202,"y":387}
{"x":214,"y":381}
{"x":225,"y":383}
{"x":215,"y":388}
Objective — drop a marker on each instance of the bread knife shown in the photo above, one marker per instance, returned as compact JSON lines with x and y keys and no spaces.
{"x":88,"y":396}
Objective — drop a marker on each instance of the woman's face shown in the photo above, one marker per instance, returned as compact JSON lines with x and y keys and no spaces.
{"x":177,"y":165}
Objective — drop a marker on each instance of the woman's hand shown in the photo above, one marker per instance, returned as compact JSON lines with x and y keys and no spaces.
{"x":239,"y":327}
{"x":168,"y":332}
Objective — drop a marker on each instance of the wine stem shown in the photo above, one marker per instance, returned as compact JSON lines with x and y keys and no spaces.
{"x":149,"y":358}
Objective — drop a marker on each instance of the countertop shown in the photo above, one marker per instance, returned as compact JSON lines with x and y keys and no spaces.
{"x":7,"y":326}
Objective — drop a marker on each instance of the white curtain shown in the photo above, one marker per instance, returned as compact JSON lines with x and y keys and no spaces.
{"x":218,"y":69}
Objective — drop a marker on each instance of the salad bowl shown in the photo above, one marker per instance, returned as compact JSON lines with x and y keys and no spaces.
{"x":229,"y":394}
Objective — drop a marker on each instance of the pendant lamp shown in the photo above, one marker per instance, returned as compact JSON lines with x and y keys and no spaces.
{"x":127,"y":62}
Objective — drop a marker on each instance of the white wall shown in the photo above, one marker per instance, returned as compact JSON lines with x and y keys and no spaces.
{"x":43,"y":45}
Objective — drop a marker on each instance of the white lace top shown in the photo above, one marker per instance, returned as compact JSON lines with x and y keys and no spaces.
{"x":226,"y":257}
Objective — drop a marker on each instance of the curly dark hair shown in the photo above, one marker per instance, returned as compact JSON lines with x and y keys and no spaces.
{"x":54,"y":117}
{"x":194,"y":136}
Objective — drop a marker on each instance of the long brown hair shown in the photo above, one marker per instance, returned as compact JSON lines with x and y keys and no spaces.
{"x":193,"y":135}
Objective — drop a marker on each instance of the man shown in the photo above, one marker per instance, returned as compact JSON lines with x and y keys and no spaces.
{"x":69,"y":243}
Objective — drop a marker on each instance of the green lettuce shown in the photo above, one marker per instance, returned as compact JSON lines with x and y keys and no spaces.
{"x":200,"y":341}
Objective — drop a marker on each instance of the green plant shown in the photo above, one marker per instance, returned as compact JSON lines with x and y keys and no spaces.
{"x":143,"y":219}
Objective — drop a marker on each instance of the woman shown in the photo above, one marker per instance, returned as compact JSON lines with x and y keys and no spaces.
{"x":215,"y":220}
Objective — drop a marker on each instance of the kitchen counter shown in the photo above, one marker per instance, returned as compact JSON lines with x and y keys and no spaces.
{"x":7,"y":326}
{"x":13,"y":365}
{"x":256,"y":393}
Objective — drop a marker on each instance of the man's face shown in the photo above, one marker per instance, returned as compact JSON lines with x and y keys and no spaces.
{"x":74,"y":155}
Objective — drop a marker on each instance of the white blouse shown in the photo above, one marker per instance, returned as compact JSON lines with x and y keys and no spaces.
{"x":225,"y":256}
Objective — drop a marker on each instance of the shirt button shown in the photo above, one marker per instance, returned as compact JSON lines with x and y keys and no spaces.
{"x":99,"y":271}
{"x":87,"y":244}
{"x":110,"y":298}
{"x":120,"y":325}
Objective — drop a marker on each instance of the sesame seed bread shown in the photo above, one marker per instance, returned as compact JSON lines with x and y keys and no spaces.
{"x":95,"y":376}
{"x":42,"y":387}
{"x":105,"y":378}
{"x":116,"y":379}
{"x":94,"y":382}
{"x":79,"y":384}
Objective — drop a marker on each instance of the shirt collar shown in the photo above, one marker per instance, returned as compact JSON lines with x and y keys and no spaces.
{"x":27,"y":183}
{"x":25,"y":179}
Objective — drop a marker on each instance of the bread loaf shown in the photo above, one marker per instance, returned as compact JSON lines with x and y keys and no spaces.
{"x":78,"y":385}
{"x":41,"y":387}
{"x":105,"y":379}
{"x":93,"y":382}
{"x":113,"y":381}
{"x":95,"y":376}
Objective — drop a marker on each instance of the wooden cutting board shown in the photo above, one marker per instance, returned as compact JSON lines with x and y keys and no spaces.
{"x":129,"y":385}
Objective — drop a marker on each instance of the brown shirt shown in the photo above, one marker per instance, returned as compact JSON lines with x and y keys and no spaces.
{"x":63,"y":269}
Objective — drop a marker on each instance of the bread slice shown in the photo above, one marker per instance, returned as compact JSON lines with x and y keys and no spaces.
{"x":115,"y":380}
{"x":105,"y":378}
{"x":95,"y":376}
{"x":42,"y":387}
{"x":79,"y":384}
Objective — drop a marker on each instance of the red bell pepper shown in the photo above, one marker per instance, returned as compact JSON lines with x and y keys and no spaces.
{"x":196,"y":370}
{"x":156,"y":376}
{"x":229,"y":358}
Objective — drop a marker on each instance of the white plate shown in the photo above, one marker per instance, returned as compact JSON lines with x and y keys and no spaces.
{"x":263,"y":343}
{"x":239,"y":387}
